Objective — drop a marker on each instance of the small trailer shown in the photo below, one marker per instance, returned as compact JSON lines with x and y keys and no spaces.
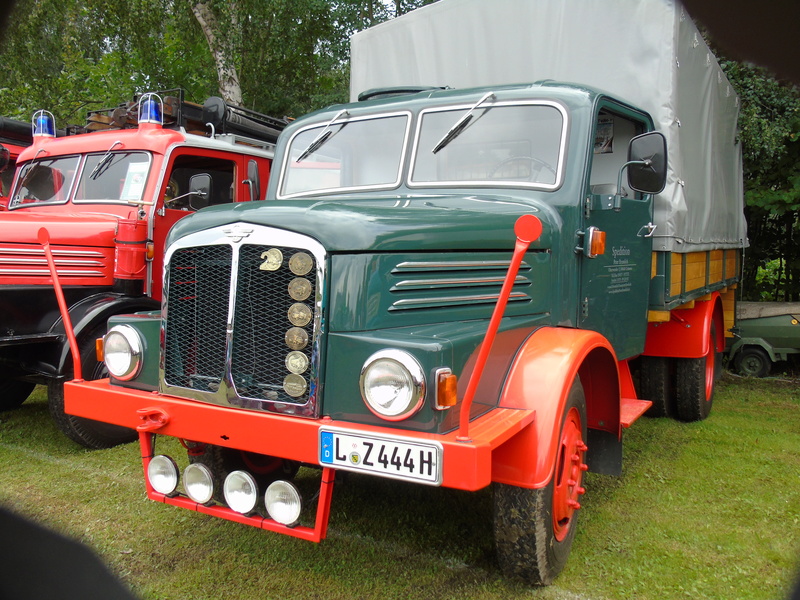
{"x":766,"y":333}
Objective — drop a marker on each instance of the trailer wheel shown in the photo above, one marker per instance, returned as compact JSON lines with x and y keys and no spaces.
{"x":86,"y":432}
{"x":655,"y":384}
{"x":753,"y":362}
{"x":13,"y":393}
{"x":695,"y":382}
{"x":534,"y":528}
{"x":222,"y":461}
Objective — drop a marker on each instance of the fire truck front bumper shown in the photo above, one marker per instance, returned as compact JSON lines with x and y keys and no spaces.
{"x":424,"y":458}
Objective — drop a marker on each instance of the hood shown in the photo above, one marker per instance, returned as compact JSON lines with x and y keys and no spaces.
{"x":418,"y":223}
{"x":65,"y":229}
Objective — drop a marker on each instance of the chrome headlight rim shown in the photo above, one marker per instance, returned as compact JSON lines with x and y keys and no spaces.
{"x":198,"y":483}
{"x":240,"y":490}
{"x":133,"y":341}
{"x":416,"y":377}
{"x":163,"y":474}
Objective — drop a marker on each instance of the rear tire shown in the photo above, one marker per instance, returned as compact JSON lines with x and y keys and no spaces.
{"x":13,"y":393}
{"x":655,"y":384}
{"x":695,"y":382}
{"x":91,"y":434}
{"x":534,"y":528}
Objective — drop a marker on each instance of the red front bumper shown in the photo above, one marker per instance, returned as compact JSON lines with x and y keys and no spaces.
{"x":466,"y":465}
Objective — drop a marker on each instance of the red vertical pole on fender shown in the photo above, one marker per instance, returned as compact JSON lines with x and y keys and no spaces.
{"x":528,"y":228}
{"x":44,"y":240}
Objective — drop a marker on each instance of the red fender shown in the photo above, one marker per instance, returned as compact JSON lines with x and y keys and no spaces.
{"x":540,"y":379}
{"x":685,"y":335}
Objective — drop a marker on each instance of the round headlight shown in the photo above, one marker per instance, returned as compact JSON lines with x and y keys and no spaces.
{"x":198,"y":483}
{"x":241,"y":492}
{"x":162,"y":473}
{"x":122,"y":352}
{"x":283,"y":502}
{"x":392,"y":384}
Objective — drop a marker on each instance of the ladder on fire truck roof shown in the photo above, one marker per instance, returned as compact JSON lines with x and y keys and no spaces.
{"x":215,"y":117}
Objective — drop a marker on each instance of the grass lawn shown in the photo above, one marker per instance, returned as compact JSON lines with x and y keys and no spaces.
{"x":703,"y":510}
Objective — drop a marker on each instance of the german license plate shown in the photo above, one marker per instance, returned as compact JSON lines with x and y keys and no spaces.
{"x":395,"y":457}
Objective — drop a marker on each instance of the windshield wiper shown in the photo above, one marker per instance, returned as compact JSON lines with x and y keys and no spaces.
{"x":460,"y":125}
{"x":98,"y":169}
{"x":323,"y":136}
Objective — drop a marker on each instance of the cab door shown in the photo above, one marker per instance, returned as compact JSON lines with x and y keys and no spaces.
{"x":614,"y":284}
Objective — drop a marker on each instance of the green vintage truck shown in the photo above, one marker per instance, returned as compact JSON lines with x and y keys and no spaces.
{"x":457,"y":279}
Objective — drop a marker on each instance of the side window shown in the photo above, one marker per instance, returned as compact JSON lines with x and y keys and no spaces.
{"x":612,"y":134}
{"x":222,"y":173}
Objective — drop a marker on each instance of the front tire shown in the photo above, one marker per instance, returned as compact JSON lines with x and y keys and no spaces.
{"x":91,"y":434}
{"x":534,"y":528}
{"x":13,"y":393}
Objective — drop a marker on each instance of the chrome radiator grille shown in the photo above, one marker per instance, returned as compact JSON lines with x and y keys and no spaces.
{"x":241,"y":325}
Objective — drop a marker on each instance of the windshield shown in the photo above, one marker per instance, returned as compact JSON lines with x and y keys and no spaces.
{"x":346,"y":154}
{"x":504,"y":144}
{"x":105,"y":177}
{"x":114,"y":177}
{"x":45,"y":181}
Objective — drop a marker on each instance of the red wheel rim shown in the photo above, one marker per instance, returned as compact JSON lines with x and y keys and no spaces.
{"x":568,"y":475}
{"x":710,"y":367}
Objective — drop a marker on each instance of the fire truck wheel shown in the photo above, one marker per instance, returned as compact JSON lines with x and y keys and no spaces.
{"x":753,"y":362}
{"x":655,"y":384}
{"x":534,"y":528}
{"x":86,"y":432}
{"x":13,"y":393}
{"x":222,"y":461}
{"x":695,"y":381}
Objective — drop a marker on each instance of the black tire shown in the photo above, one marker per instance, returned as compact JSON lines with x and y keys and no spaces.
{"x":86,"y":432}
{"x":222,"y":461}
{"x":753,"y":362}
{"x":534,"y":528}
{"x":695,"y":380}
{"x":656,"y":385}
{"x":13,"y":393}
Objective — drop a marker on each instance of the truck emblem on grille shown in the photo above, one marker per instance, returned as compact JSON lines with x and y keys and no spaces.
{"x":237,"y":233}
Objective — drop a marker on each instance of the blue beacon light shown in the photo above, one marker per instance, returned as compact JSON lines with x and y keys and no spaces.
{"x":150,"y":109}
{"x":44,"y":124}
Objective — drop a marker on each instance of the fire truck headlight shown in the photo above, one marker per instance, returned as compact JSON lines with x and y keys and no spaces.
{"x":392,"y":384}
{"x":241,"y":492}
{"x":162,"y":473}
{"x":122,"y":352}
{"x":198,"y":483}
{"x":283,"y":502}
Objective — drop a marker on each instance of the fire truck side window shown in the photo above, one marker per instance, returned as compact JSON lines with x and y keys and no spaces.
{"x":222,"y":174}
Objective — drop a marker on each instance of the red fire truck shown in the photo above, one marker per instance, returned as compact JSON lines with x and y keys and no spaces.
{"x":106,"y":194}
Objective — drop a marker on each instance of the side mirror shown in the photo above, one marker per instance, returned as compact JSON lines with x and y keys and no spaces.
{"x":253,"y":180}
{"x":199,"y":191}
{"x":647,"y":163}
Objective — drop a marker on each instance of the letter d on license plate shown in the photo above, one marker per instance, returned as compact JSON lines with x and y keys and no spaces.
{"x":396,"y":457}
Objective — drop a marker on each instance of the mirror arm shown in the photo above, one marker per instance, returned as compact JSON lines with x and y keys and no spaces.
{"x":618,"y":197}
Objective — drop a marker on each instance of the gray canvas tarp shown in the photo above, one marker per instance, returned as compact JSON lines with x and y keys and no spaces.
{"x":645,"y":52}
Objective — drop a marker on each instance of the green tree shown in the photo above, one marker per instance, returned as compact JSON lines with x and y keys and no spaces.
{"x":769,"y":127}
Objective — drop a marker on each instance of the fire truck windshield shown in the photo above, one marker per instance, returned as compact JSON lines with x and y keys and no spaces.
{"x":117,"y":177}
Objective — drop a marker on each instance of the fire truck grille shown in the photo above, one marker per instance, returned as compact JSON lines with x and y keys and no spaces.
{"x":240,"y":325}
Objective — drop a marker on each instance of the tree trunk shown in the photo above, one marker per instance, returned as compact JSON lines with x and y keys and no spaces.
{"x":228,"y":77}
